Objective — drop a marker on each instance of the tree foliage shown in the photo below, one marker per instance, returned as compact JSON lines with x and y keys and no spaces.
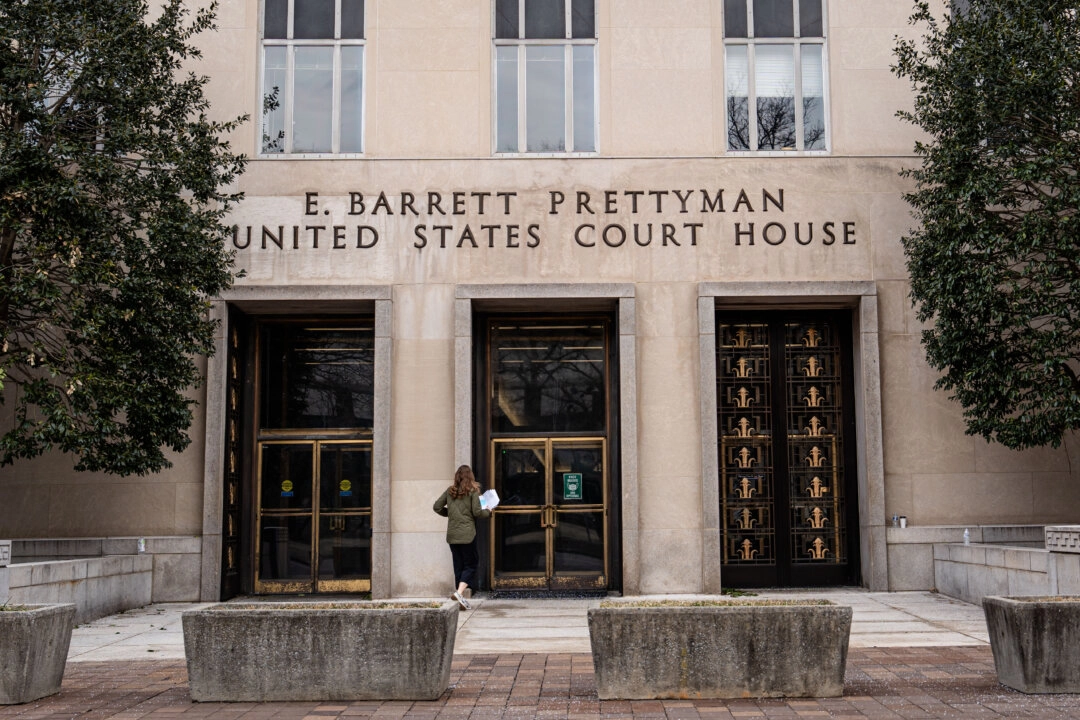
{"x":995,"y":260}
{"x":113,"y":187}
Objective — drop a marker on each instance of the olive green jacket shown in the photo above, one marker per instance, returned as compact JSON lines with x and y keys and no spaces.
{"x":461,"y":514}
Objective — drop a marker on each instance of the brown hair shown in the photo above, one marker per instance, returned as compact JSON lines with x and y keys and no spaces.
{"x":464,"y":482}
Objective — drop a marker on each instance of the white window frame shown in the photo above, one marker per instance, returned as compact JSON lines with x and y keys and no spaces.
{"x":287,"y":93}
{"x":567,"y":43}
{"x":796,"y":43}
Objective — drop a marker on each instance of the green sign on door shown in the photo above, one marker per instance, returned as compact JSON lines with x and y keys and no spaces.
{"x":571,"y":483}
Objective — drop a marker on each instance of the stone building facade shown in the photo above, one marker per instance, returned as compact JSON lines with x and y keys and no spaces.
{"x":638,"y":263}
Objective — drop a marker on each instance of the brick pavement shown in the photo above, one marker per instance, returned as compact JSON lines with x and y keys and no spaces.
{"x":898,"y":683}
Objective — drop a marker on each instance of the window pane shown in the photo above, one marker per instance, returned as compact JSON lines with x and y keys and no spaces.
{"x":506,"y":18}
{"x":774,"y":81}
{"x":545,"y":99}
{"x":584,"y":104}
{"x":810,"y":18}
{"x":345,"y":477}
{"x":813,"y":98}
{"x":352,"y":98}
{"x":585,"y":459}
{"x":352,"y":19}
{"x":285,"y":548}
{"x":548,"y":378}
{"x":313,"y":90}
{"x":506,"y":97}
{"x":317,"y":377}
{"x":287,"y":476}
{"x":275,"y":73}
{"x":735,"y":18}
{"x":774,"y":18}
{"x":313,"y":19}
{"x":344,"y":547}
{"x":579,"y":543}
{"x":545,"y":19}
{"x":736,"y":79}
{"x":276,"y":18}
{"x":583,"y":23}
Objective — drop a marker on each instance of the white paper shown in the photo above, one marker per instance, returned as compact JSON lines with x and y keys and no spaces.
{"x":489,"y":500}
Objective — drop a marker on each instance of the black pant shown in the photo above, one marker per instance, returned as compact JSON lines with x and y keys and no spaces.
{"x":465,"y":561}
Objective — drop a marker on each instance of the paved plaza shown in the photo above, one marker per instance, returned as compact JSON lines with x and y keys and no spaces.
{"x":913,"y":655}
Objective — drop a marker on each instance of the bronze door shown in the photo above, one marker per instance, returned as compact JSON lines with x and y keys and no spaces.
{"x":314,"y":522}
{"x":547,"y":452}
{"x":550,"y":528}
{"x":313,"y":465}
{"x":788,"y":483}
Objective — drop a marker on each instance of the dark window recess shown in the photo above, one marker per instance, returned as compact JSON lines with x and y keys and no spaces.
{"x":313,"y":19}
{"x":810,"y":21}
{"x":545,"y":19}
{"x":506,"y":18}
{"x":547,"y":379}
{"x":352,"y":19}
{"x":735,"y":18}
{"x":276,"y":19}
{"x":583,"y":22}
{"x":317,"y":378}
{"x":774,"y":18}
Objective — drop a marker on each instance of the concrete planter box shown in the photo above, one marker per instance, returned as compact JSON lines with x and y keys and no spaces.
{"x":257,"y":652}
{"x":730,"y":650}
{"x":34,"y":645}
{"x":1036,"y":642}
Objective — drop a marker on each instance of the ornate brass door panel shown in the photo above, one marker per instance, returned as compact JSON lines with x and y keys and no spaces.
{"x":236,"y":509}
{"x":787,"y":473}
{"x":550,"y":530}
{"x":548,"y":414}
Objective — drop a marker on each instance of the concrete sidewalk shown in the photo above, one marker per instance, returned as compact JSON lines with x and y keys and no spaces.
{"x":500,"y":626}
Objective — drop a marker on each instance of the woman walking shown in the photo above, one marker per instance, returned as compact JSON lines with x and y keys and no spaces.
{"x":460,"y":505}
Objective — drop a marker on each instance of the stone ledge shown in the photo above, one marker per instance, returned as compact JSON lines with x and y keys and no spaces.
{"x":97,"y":586}
{"x":1063,"y":538}
{"x":1012,"y":535}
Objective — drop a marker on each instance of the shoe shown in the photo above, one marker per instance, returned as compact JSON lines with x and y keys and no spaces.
{"x":465,"y":605}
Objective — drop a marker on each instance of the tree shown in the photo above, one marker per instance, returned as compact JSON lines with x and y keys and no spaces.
{"x":995,"y":260}
{"x":113,"y":187}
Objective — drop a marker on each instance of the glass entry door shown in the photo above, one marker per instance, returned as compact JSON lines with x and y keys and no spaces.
{"x":550,"y":530}
{"x":547,"y":443}
{"x":788,"y":485}
{"x":314,"y":524}
{"x":312,"y":459}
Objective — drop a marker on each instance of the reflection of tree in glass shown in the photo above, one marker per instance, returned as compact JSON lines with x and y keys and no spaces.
{"x":555,"y":384}
{"x":331,"y":388}
{"x":813,"y":135}
{"x":775,"y":123}
{"x":738,"y":112}
{"x":275,"y":143}
{"x":325,"y":380}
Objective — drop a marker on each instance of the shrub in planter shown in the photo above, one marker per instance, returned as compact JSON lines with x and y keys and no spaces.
{"x":309,"y":651}
{"x":1036,"y":642}
{"x":34,"y":641}
{"x":719,"y":649}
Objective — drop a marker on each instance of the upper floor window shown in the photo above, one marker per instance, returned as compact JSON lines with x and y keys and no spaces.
{"x":313,"y":76}
{"x":545,"y":76}
{"x":774,"y":60}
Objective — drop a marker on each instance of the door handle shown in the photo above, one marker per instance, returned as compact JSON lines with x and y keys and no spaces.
{"x":548,"y":517}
